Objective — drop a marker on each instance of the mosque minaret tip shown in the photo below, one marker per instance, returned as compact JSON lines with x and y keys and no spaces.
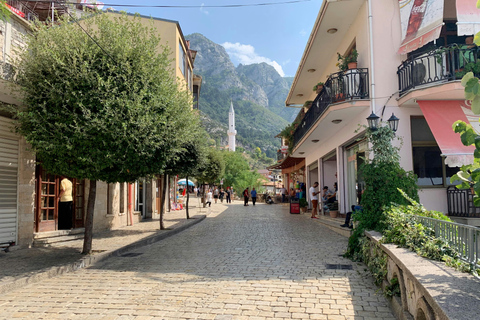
{"x":231,"y":128}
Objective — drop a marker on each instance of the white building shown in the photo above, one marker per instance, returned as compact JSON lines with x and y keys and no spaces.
{"x":231,"y":128}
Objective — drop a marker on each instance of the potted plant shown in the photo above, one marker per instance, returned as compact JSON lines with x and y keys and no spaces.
{"x":318,"y":87}
{"x":348,"y":61}
{"x":308,"y":104}
{"x":303,"y":204}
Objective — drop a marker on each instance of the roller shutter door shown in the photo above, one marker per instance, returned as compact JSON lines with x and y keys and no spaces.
{"x":8,"y":182}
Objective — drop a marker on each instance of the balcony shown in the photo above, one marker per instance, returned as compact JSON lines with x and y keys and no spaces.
{"x":439,"y":65}
{"x":280,"y":155}
{"x":340,"y":86}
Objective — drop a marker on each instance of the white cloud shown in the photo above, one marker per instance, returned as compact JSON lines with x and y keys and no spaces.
{"x":245,"y":54}
{"x":303,"y":33}
{"x":202,"y":10}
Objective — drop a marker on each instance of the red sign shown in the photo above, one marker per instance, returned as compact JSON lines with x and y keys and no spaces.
{"x":294,"y":207}
{"x":16,"y":11}
{"x":284,"y":149}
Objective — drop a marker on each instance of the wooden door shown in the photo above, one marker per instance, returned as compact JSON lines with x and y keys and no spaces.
{"x":78,"y":203}
{"x":46,"y":201}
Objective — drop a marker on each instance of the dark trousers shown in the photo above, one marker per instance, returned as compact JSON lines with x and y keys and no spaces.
{"x":245,"y":200}
{"x":229,"y":200}
{"x":65,"y":215}
{"x":254,"y":199}
{"x":283,"y":197}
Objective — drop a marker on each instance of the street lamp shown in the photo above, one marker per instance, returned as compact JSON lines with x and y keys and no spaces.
{"x":393,"y":123}
{"x":373,"y":121}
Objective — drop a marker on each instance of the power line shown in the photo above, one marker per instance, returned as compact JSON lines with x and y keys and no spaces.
{"x":76,"y":21}
{"x":184,"y":7}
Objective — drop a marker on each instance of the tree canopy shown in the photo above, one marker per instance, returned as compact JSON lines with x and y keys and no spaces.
{"x":108,"y":109}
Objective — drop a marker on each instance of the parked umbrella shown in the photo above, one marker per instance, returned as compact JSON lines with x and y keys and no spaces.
{"x":183,"y":182}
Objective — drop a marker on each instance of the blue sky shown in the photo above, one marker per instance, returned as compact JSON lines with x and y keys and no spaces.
{"x":274,"y":34}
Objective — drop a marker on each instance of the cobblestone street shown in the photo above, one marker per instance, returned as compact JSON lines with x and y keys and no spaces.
{"x":256,"y":262}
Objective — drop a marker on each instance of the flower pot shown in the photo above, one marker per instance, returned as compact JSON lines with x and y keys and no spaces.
{"x":333,"y":213}
{"x":339,"y":97}
{"x":319,"y":89}
{"x":304,"y":209}
{"x":352,"y":65}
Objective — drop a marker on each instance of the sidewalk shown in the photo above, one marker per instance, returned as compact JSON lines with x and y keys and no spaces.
{"x":25,"y":266}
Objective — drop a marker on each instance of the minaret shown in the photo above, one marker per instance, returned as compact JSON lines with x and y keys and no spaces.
{"x":231,"y":128}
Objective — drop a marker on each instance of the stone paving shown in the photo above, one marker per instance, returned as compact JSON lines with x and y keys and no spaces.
{"x":256,"y":262}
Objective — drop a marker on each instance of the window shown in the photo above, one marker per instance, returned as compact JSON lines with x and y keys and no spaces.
{"x":428,"y":163}
{"x":181,"y":58}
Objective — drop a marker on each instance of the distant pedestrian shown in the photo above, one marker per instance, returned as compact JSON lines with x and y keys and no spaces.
{"x":245,"y":197}
{"x":313,"y":195}
{"x":222,"y":195}
{"x":253,"y":194}
{"x":215,"y":194}
{"x":283,"y":191}
{"x":229,"y":195}
{"x":208,"y":199}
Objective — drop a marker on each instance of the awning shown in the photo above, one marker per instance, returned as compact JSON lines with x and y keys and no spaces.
{"x":421,"y":22}
{"x":287,"y":163}
{"x":440,"y":116}
{"x":468,"y":17}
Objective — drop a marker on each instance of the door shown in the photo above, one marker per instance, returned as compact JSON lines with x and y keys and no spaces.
{"x":8,"y":182}
{"x":46,"y":201}
{"x":46,"y":205}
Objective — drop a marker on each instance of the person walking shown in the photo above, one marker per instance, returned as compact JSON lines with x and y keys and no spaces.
{"x":245,"y":197}
{"x":215,"y":194}
{"x":314,"y":198}
{"x":222,"y":195}
{"x":65,"y":199}
{"x":283,"y":191}
{"x":229,"y":195}
{"x":208,"y":200}
{"x":253,"y":194}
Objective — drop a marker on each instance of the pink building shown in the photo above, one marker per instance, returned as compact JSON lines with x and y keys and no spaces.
{"x":411,"y":57}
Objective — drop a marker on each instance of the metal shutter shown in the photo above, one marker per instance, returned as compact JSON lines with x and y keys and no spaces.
{"x":8,"y":182}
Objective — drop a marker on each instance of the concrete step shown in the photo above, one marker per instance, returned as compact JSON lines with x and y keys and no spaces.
{"x":59,"y":237}
{"x":334,"y":225}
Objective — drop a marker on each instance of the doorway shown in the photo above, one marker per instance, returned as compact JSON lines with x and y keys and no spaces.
{"x":46,"y":201}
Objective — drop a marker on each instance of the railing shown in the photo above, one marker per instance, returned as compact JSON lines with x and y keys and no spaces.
{"x":30,"y":15}
{"x":340,"y":86}
{"x":460,"y":203}
{"x":438,"y":65}
{"x":280,"y":155}
{"x":465,"y":239}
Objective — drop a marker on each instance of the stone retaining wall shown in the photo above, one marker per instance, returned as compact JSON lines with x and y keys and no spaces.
{"x":429,"y":289}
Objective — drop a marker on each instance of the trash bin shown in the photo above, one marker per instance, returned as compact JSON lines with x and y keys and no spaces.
{"x":295,"y":206}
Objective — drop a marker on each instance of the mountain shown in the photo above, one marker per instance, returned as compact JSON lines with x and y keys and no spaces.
{"x":257,"y":91}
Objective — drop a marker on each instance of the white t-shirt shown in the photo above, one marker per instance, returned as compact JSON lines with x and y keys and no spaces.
{"x":209,"y":196}
{"x":311,"y":191}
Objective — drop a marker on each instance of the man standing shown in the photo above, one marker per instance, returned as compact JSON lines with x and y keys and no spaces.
{"x":254,"y":195}
{"x":314,"y":199}
{"x":245,"y":197}
{"x":283,"y":191}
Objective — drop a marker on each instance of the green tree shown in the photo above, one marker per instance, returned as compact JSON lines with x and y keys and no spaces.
{"x":4,"y":11}
{"x":187,"y":162}
{"x":212,"y":169}
{"x":108,"y":109}
{"x":383,"y":176}
{"x":238,"y":173}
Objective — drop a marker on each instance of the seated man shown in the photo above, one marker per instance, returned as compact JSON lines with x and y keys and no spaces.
{"x":348,"y":223}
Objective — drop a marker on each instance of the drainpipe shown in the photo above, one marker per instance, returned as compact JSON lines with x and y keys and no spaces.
{"x":130,"y":204}
{"x":372,"y":66}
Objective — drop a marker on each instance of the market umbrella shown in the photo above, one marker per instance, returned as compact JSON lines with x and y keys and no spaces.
{"x":183,"y":182}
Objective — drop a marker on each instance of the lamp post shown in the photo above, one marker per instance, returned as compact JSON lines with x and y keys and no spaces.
{"x":373,"y":122}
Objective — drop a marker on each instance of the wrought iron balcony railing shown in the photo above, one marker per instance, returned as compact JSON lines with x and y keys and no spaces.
{"x":280,"y":155}
{"x":441,"y":64}
{"x":340,"y":86}
{"x":460,"y":203}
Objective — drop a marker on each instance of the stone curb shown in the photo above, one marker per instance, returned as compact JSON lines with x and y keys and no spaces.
{"x":91,"y":260}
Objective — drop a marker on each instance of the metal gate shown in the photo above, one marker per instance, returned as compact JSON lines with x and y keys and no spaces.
{"x":8,"y":182}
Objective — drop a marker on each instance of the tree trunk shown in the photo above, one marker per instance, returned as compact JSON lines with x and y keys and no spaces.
{"x":87,"y":241}
{"x":203,"y":196}
{"x":162,"y":200}
{"x":188,"y":198}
